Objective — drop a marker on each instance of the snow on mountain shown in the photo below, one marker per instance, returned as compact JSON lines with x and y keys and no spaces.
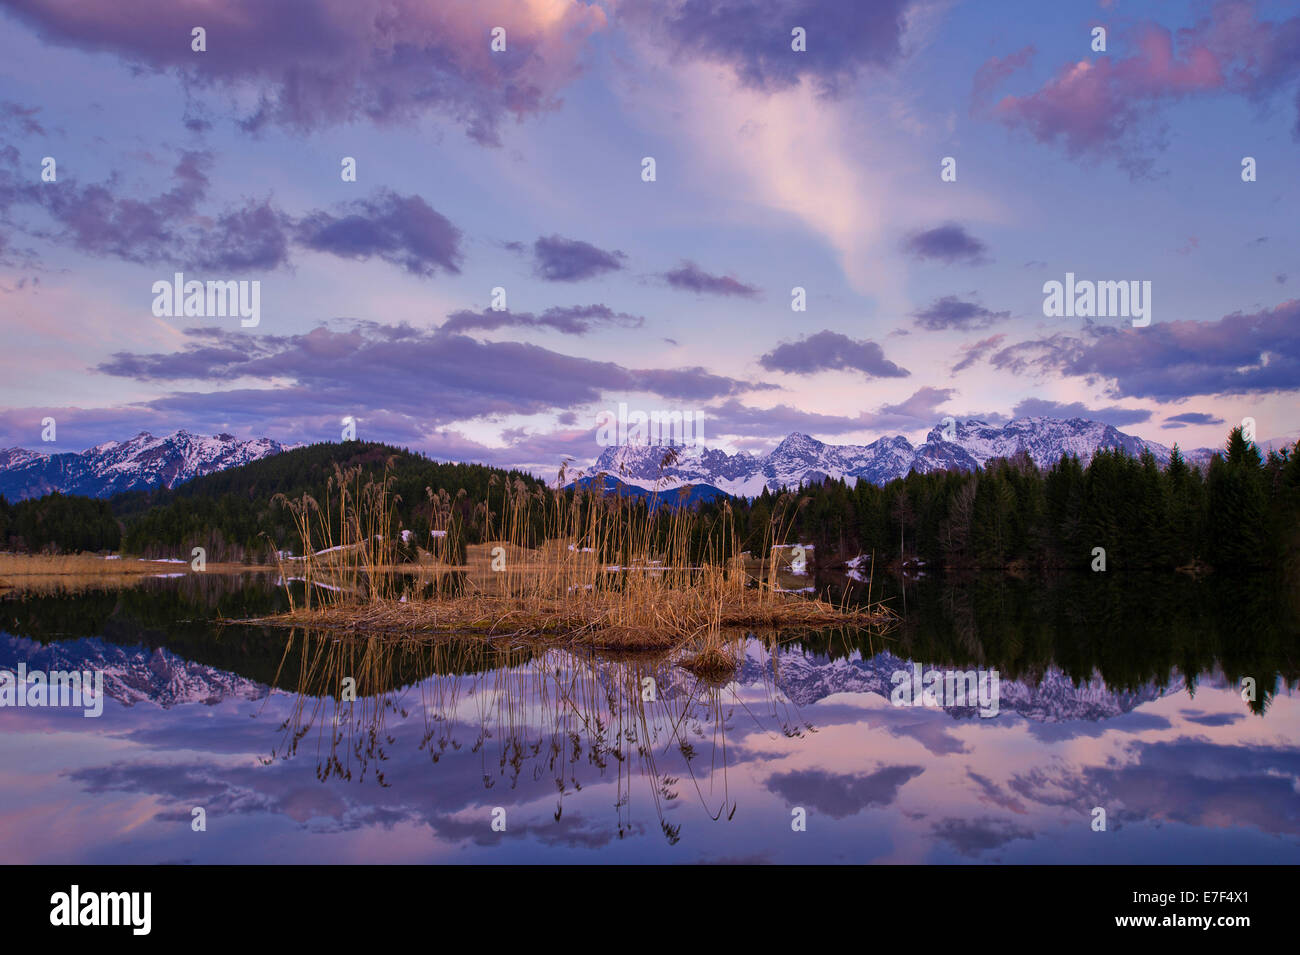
{"x":132,"y":674}
{"x":801,"y":459}
{"x":805,"y":679}
{"x":141,"y":463}
{"x":1052,"y":698}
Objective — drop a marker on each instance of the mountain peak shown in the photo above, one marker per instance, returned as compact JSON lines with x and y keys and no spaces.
{"x":141,"y":463}
{"x":801,"y":459}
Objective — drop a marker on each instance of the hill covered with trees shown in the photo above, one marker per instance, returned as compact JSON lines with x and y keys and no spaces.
{"x":228,"y":512}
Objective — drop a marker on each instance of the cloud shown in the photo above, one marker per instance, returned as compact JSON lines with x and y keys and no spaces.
{"x":1115,"y":416}
{"x":401,"y":230}
{"x":920,"y":410}
{"x":831,"y":351}
{"x":1188,"y":780}
{"x":558,"y":259}
{"x":948,"y":243}
{"x":173,"y":227}
{"x":168,"y":227}
{"x":568,"y":320}
{"x":402,"y":383}
{"x":970,"y":837}
{"x":977,"y":351}
{"x":844,"y":37}
{"x":1191,"y":417}
{"x":840,"y":795}
{"x":952,"y":312}
{"x":21,"y":118}
{"x":994,"y":71}
{"x":1108,"y":106}
{"x":1241,"y":353}
{"x":329,"y":62}
{"x":689,"y":277}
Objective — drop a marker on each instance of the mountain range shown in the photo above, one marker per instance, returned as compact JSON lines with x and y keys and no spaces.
{"x":800,"y":459}
{"x":137,"y":674}
{"x":139,"y":464}
{"x":146,"y":462}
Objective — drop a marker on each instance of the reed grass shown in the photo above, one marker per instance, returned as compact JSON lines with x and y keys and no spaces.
{"x":527,"y":716}
{"x":570,"y":565}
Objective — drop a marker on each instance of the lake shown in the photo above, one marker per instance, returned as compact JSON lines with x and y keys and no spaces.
{"x":1123,"y":695}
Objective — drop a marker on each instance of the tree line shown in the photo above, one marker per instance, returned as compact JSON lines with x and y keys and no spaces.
{"x":58,"y":523}
{"x":1241,"y":513}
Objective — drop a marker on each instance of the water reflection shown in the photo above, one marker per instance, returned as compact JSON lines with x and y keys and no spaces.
{"x":1129,"y":701}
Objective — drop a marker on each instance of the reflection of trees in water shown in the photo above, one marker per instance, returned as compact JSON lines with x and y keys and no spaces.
{"x":1132,"y":629}
{"x":530,"y":715}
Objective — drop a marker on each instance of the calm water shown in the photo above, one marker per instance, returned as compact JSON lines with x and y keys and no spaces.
{"x":1123,"y":695}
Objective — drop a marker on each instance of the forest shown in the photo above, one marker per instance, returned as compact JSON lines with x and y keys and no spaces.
{"x":1241,"y":513}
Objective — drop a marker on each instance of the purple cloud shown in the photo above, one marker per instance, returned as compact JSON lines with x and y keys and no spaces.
{"x":754,"y":39}
{"x":952,"y":312}
{"x":1191,"y":417}
{"x":327,"y":62}
{"x":568,"y":320}
{"x":558,"y":259}
{"x":947,"y":243}
{"x":1256,"y":353}
{"x":977,"y":351}
{"x":401,"y":230}
{"x":831,"y":351}
{"x":731,"y":417}
{"x":406,"y":380}
{"x":840,"y":795}
{"x":1042,"y":408}
{"x":102,"y":220}
{"x":690,"y":277}
{"x":174,"y":227}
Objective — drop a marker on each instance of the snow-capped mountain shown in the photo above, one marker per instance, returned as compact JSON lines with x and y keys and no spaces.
{"x":800,"y":459}
{"x":1052,"y":698}
{"x":132,"y":674}
{"x":141,"y":463}
{"x":805,"y":679}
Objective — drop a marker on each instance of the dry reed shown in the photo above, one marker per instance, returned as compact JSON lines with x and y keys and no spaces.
{"x":570,"y":565}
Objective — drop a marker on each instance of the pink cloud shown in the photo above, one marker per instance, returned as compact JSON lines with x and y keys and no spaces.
{"x":1107,"y":104}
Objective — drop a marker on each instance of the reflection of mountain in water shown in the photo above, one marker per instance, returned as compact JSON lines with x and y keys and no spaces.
{"x":132,"y":674}
{"x":1055,"y":698}
{"x":805,"y":679}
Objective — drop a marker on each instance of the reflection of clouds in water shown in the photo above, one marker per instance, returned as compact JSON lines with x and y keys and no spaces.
{"x":994,"y":794}
{"x":1135,"y":721}
{"x":558,"y":741}
{"x":973,"y":836}
{"x":1212,"y":719}
{"x":1187,"y":780}
{"x":840,"y":794}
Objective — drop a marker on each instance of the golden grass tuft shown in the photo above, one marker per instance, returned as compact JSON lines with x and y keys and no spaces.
{"x":565,"y":566}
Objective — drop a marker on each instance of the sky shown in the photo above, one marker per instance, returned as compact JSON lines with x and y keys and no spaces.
{"x":523,"y":170}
